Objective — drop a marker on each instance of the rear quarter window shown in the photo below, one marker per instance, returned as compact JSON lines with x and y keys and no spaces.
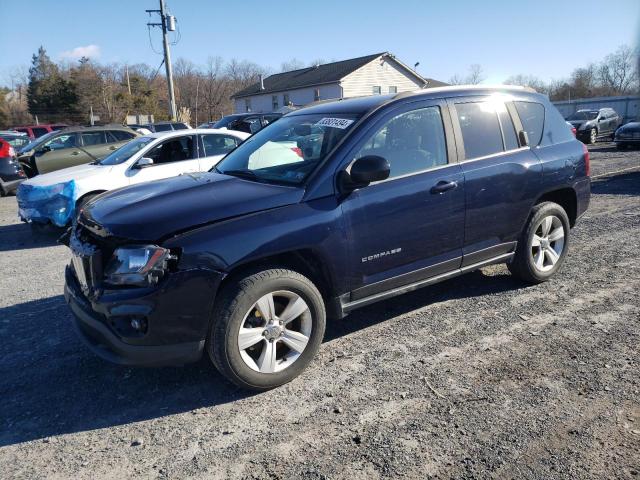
{"x":532,"y":117}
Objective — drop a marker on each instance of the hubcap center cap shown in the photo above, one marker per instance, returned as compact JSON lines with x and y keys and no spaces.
{"x":272,"y":332}
{"x":544,"y":242}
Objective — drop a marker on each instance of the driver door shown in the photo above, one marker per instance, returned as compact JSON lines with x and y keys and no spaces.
{"x":172,"y":157}
{"x":61,"y":151}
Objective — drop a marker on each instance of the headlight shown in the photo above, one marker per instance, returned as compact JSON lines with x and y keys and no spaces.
{"x":137,"y":265}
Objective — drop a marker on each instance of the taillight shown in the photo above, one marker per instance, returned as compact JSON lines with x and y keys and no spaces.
{"x":12,"y":152}
{"x":574,"y":131}
{"x":298,"y":151}
{"x":587,"y":159}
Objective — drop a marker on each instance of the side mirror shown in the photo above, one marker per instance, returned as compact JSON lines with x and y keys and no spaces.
{"x":367,"y":169}
{"x":45,"y":149}
{"x":144,"y":162}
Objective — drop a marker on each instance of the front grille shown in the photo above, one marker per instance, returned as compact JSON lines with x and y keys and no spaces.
{"x":87,"y":260}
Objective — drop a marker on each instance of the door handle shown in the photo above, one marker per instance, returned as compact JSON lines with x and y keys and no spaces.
{"x":443,"y":186}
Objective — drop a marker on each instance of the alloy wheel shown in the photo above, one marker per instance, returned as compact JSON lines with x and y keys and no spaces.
{"x":593,"y":135}
{"x":547,"y":243}
{"x":275,"y":331}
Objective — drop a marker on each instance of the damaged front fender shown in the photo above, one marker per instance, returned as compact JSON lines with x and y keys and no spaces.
{"x":51,"y":203}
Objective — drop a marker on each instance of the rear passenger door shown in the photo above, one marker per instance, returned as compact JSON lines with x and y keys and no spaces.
{"x":117,"y":138}
{"x":95,"y":143}
{"x":214,"y":147}
{"x":500,"y":175}
{"x":410,"y":226}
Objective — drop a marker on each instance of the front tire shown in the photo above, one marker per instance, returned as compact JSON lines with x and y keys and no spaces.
{"x":593,"y":136}
{"x":543,"y":244}
{"x":266,"y":328}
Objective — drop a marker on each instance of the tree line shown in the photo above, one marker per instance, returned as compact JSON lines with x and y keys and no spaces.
{"x":69,"y":92}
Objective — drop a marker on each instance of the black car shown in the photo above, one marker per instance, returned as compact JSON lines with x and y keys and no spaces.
{"x":591,"y":125}
{"x":11,"y":173}
{"x":628,"y":135}
{"x":245,"y":122}
{"x":247,"y":261}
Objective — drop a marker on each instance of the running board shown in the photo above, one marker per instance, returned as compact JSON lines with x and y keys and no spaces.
{"x":349,"y":306}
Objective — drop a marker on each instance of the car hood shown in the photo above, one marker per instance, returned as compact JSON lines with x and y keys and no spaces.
{"x":630,"y":127}
{"x":67,"y":174}
{"x":153,"y":210}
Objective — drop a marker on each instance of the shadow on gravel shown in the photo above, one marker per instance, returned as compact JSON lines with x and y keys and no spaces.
{"x":472,"y":284}
{"x":623,"y":184}
{"x":51,"y":384}
{"x":22,"y":236}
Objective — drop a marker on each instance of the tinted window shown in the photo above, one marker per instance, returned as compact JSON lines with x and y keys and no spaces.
{"x":480,"y":128}
{"x":218,"y":144}
{"x":174,"y":150}
{"x":180,"y":126}
{"x":532,"y":117}
{"x":39,"y":131}
{"x":508,"y":130}
{"x":555,"y":128}
{"x":121,"y":136}
{"x":411,"y":142}
{"x":93,"y":138}
{"x":58,"y":127}
{"x":163,"y":127}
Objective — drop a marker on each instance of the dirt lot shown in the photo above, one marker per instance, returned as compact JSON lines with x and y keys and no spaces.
{"x":477,"y":377}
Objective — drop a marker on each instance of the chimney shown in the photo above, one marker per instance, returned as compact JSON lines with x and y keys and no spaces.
{"x":261,"y":82}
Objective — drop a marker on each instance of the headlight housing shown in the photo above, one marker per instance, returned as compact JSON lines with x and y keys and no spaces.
{"x":142,"y":265}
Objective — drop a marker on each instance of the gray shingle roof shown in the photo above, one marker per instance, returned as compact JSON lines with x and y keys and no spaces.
{"x":306,"y":77}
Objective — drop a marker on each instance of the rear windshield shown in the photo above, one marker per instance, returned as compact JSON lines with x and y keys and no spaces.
{"x":163,"y":127}
{"x":583,"y":115}
{"x":288,"y":150}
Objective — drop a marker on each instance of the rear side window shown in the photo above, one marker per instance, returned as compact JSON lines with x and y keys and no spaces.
{"x":218,"y":144}
{"x":93,"y":138}
{"x":411,"y":142}
{"x":163,"y":127}
{"x":180,"y":126}
{"x":480,"y":129}
{"x":121,"y":136}
{"x":39,"y":131}
{"x":532,"y":117}
{"x":555,"y":128}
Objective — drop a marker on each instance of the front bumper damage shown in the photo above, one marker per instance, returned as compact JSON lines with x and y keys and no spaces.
{"x":54,"y":203}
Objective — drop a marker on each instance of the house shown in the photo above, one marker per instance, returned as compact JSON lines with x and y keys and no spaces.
{"x":376,"y":74}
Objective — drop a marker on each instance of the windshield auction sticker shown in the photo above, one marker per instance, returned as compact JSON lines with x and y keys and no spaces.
{"x":340,"y":123}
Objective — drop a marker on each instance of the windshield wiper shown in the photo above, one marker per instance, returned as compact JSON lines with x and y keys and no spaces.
{"x":243,"y":173}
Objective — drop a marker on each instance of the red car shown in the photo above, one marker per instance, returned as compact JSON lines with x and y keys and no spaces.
{"x":35,"y":131}
{"x":11,"y":173}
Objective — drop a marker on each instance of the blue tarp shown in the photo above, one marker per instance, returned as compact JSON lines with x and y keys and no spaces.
{"x":53,"y":203}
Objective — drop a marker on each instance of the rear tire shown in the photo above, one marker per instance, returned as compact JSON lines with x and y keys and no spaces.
{"x":543,"y":244}
{"x":593,"y":136}
{"x":266,"y":328}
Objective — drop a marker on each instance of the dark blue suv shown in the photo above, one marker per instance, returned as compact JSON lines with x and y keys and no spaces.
{"x":330,"y":208}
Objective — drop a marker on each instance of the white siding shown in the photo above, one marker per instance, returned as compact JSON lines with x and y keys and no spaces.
{"x":300,"y":97}
{"x":388,"y":74}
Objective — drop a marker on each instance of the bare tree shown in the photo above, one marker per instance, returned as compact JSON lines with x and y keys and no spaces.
{"x":476,"y":76}
{"x":292,"y":64}
{"x":618,"y":72}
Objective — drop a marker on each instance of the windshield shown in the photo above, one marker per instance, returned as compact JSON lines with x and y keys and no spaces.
{"x":583,"y":115}
{"x":37,"y":142}
{"x":126,"y":151}
{"x":288,"y":150}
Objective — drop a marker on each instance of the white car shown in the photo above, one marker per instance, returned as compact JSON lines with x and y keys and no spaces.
{"x":53,"y":197}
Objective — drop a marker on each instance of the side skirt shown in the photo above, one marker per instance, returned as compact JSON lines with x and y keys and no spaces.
{"x":347,"y":306}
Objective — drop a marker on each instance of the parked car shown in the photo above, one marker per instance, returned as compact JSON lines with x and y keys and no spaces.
{"x":72,"y":146}
{"x":36,"y":131}
{"x":165,"y":126}
{"x":245,"y":122}
{"x":246,"y":263}
{"x":594,"y":124}
{"x":573,"y":129}
{"x":628,"y":135}
{"x":54,"y":197}
{"x":17,"y":140}
{"x":11,"y":173}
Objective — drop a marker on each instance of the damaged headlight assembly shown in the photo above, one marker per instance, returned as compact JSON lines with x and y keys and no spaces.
{"x":141,"y":266}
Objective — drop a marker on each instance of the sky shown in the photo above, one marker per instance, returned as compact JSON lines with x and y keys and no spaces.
{"x":545,"y":38}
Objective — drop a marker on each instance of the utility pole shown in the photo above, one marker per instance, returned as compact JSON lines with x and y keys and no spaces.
{"x":164,"y":19}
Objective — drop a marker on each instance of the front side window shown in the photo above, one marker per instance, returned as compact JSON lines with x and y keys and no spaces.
{"x":411,"y":142}
{"x":93,"y":138}
{"x":288,"y":150}
{"x":480,"y":128}
{"x":532,"y":117}
{"x":173,"y":150}
{"x":67,"y":140}
{"x":218,"y":144}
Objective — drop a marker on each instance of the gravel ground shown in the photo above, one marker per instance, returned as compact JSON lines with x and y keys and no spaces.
{"x":481,"y":376}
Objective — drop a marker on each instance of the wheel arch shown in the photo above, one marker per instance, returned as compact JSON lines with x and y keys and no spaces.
{"x":565,"y":197}
{"x":85,"y":195}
